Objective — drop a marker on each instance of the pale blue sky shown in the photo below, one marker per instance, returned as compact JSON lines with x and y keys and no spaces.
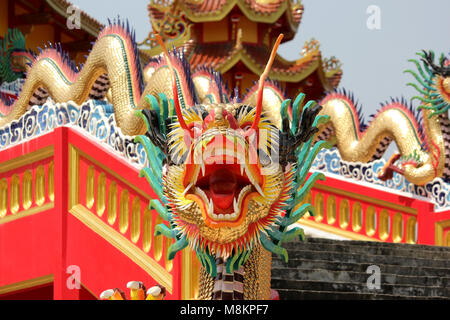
{"x":373,"y":60}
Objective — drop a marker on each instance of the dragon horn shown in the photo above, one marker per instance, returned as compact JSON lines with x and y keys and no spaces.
{"x":174,"y":84}
{"x":262,"y":79}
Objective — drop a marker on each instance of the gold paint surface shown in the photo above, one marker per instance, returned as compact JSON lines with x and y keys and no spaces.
{"x":147,"y":233}
{"x":24,"y":160}
{"x":331,"y":210}
{"x":90,"y":185}
{"x":3,"y":197}
{"x":26,"y":284}
{"x":168,"y":263}
{"x":440,"y":228}
{"x":319,"y":207}
{"x":397,"y":227}
{"x":27,"y":189}
{"x":39,"y":191}
{"x":337,"y":231}
{"x":357,"y":217}
{"x":383,"y":229}
{"x":14,"y":199}
{"x":124,"y":211}
{"x":344,"y":214}
{"x":411,"y":226}
{"x":158,"y":242}
{"x":27,"y":213}
{"x":51,"y":181}
{"x":371,"y":216}
{"x":136,"y":220}
{"x":101,"y":194}
{"x":112,"y":203}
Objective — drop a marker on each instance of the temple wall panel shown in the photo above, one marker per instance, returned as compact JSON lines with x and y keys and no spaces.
{"x":249,"y":30}
{"x":217,"y":31}
{"x":3,"y":17}
{"x":39,"y":35}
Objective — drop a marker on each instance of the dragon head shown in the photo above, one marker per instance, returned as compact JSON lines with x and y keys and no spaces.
{"x":229,"y":172}
{"x":14,"y":58}
{"x":223,"y":183}
{"x":434,"y":82}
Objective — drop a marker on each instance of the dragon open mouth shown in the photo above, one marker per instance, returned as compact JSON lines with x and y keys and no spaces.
{"x":222,"y":185}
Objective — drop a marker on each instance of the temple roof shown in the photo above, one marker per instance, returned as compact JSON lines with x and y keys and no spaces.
{"x":264,"y":11}
{"x":223,"y":56}
{"x":88,"y":24}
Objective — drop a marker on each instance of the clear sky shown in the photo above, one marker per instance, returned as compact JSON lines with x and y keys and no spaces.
{"x":373,"y":60}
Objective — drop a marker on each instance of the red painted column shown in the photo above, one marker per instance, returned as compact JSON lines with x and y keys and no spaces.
{"x":61,"y":290}
{"x":425,"y":223}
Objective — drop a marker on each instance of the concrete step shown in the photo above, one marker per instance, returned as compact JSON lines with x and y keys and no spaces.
{"x":357,"y":277}
{"x":368,"y":258}
{"x":333,"y":269}
{"x":371,"y":244}
{"x":395,"y":290}
{"x":404,"y":270}
{"x":289,"y":294}
{"x":370,"y":249}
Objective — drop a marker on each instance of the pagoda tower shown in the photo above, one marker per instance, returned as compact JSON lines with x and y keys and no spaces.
{"x":235,"y":37}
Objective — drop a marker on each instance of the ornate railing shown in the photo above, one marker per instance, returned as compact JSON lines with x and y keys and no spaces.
{"x":27,"y":185}
{"x":363,"y":212}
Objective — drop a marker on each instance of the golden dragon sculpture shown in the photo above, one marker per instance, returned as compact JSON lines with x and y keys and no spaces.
{"x":231,"y":175}
{"x":422,"y":136}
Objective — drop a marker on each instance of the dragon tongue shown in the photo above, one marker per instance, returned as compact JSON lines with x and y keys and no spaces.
{"x":222,"y":187}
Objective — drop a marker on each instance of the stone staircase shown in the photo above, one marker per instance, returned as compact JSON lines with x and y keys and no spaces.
{"x":332,"y":269}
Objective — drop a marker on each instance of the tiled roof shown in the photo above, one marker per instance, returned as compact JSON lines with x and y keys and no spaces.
{"x":287,"y":12}
{"x":264,"y":6}
{"x":88,"y":23}
{"x":267,"y":6}
{"x":211,"y":55}
{"x":206,"y":5}
{"x":221,"y":55}
{"x":268,"y":11}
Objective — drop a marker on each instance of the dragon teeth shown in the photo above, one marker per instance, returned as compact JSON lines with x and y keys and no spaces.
{"x":236,"y":201}
{"x":258,"y":188}
{"x":197,"y":172}
{"x":203,"y":168}
{"x":235,"y":206}
{"x":211,"y":207}
{"x":187,"y":189}
{"x":252,"y":180}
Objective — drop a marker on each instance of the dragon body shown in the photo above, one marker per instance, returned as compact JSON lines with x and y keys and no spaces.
{"x":422,"y":135}
{"x":231,"y":175}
